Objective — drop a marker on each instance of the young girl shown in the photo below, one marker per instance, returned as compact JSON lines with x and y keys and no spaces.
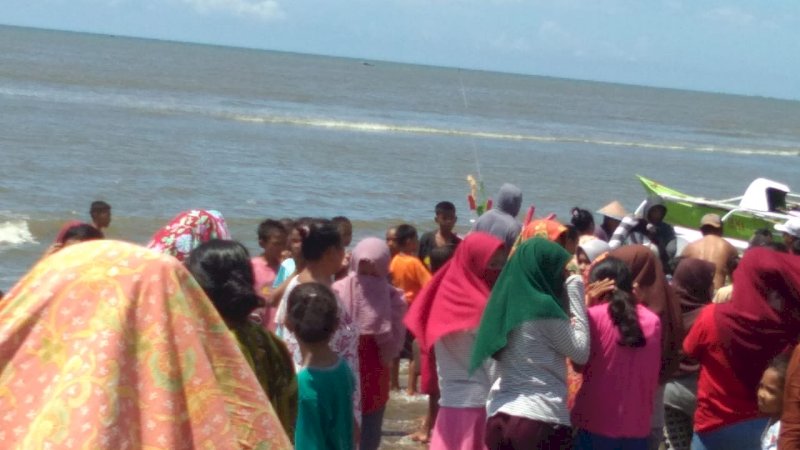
{"x":322,"y":253}
{"x":615,"y":402}
{"x":326,"y":383}
{"x":770,"y":399}
{"x":377,"y":308}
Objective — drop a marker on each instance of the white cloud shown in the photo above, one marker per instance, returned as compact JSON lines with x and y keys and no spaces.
{"x":730,"y":15}
{"x":258,"y":9}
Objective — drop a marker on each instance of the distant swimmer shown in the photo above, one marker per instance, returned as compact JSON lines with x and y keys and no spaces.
{"x":713,"y":248}
{"x":100,"y":212}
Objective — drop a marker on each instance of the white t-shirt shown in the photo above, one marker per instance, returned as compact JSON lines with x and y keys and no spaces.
{"x":458,"y":388}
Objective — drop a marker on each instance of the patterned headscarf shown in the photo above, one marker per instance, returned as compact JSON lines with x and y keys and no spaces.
{"x":187,"y":231}
{"x":108,"y":345}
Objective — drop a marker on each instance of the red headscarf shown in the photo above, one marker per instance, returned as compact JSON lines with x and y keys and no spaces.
{"x":456,"y":296}
{"x":657,"y":296}
{"x":64,"y":228}
{"x":750,"y":330}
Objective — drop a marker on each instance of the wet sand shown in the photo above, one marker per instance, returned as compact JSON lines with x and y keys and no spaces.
{"x":403,"y":416}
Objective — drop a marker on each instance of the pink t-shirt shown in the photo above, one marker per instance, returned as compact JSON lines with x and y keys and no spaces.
{"x":619,"y":383}
{"x":264,"y":277}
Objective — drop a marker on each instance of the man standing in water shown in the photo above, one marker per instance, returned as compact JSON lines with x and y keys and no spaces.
{"x":713,"y":248}
{"x":100,"y":212}
{"x":501,"y":221}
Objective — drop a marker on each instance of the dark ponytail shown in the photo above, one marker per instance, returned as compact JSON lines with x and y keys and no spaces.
{"x":223,"y":270}
{"x":622,"y":305}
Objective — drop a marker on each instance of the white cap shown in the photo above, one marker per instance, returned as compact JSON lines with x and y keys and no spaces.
{"x":792,"y":227}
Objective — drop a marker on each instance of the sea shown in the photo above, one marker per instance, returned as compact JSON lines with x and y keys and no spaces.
{"x":155,"y":128}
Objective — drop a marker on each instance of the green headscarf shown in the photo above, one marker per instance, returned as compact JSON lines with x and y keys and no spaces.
{"x":529,"y":288}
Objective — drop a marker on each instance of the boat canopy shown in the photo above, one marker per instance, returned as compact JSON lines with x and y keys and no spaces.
{"x":765,"y":195}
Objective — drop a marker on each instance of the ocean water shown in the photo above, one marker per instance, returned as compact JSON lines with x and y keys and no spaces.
{"x":155,"y":128}
{"x":158,"y":127}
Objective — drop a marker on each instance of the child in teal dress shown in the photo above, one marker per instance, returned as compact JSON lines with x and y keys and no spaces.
{"x":326,"y":384}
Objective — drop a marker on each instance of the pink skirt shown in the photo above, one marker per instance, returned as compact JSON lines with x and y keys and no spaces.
{"x":459,"y":429}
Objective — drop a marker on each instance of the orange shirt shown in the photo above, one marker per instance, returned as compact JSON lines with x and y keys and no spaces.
{"x":409,"y":275}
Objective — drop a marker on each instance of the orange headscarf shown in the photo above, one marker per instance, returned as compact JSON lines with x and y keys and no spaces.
{"x":108,"y":345}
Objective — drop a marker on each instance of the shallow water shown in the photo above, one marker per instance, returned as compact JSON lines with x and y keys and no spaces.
{"x":155,"y":128}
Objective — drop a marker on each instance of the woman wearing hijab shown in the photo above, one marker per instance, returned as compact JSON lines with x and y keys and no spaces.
{"x":187,"y":231}
{"x":527,"y":328}
{"x":553,"y":230}
{"x":588,"y":252}
{"x":73,"y":232}
{"x":108,"y":345}
{"x":693,"y":283}
{"x":445,"y":317}
{"x":734,"y":343}
{"x":655,"y":293}
{"x":377,"y":309}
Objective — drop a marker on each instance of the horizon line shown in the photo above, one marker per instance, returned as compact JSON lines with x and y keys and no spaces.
{"x":386,"y":61}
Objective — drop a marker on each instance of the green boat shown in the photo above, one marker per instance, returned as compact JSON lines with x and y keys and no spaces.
{"x":764,"y":204}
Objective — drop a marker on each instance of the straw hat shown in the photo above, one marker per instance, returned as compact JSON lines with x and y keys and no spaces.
{"x":615,"y":210}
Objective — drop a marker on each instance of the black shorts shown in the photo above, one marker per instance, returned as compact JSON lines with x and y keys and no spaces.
{"x":408,"y":347}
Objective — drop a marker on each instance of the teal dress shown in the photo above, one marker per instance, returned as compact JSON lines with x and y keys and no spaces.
{"x":325,"y":414}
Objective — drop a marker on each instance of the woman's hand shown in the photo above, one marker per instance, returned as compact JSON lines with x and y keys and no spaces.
{"x":600,"y":288}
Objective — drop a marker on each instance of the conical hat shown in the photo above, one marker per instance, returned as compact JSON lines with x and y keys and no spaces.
{"x":615,"y":210}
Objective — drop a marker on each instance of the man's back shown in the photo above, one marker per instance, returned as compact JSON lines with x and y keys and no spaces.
{"x":716,"y":250}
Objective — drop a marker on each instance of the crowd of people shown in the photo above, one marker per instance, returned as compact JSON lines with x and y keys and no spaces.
{"x":537,"y":335}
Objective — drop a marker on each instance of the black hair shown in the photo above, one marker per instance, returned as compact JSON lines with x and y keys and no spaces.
{"x":795,"y":248}
{"x":318,"y":237}
{"x":761,"y":238}
{"x":780,"y":364}
{"x":571,"y":232}
{"x":268,"y":228}
{"x":313,"y":312}
{"x":582,"y":219}
{"x":404,"y":233}
{"x":223,"y":270}
{"x":622,"y":307}
{"x":445,"y":207}
{"x":82,"y":232}
{"x":439,"y":256}
{"x":99,"y":206}
{"x":288,"y":223}
{"x":341,"y":220}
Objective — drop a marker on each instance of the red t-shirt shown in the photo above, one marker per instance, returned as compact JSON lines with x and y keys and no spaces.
{"x":722,"y":398}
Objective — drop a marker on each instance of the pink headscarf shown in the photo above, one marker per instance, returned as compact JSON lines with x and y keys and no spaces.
{"x":375,"y":305}
{"x":456,"y":296}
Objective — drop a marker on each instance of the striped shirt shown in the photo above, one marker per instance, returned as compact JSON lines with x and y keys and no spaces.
{"x":459,"y":389}
{"x":532,"y":368}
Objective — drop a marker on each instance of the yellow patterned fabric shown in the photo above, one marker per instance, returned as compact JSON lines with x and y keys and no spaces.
{"x":108,"y":345}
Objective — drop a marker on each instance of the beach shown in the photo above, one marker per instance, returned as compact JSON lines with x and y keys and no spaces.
{"x":156,"y":127}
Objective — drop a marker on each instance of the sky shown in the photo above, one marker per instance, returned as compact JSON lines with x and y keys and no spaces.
{"x":740,"y":47}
